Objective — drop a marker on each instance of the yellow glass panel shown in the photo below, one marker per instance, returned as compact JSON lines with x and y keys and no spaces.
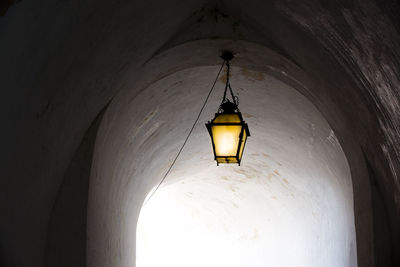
{"x":242,"y":144}
{"x":226,"y":139}
{"x":229,"y":118}
{"x":227,"y":160}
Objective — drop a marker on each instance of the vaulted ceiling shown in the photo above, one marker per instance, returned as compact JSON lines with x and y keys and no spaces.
{"x":65,"y":65}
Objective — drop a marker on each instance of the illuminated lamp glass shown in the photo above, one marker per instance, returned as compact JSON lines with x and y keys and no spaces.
{"x":228,"y":133}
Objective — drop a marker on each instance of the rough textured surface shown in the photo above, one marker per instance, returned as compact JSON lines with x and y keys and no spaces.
{"x":254,"y":60}
{"x":62,"y":61}
{"x":67,"y":224}
{"x":289,"y":203}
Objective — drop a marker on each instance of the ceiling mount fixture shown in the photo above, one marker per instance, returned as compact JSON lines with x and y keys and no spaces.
{"x":228,"y":130}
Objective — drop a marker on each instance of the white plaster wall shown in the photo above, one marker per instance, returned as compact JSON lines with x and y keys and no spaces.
{"x":293,"y":174}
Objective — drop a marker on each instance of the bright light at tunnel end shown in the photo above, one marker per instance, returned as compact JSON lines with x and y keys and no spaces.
{"x":254,"y":215}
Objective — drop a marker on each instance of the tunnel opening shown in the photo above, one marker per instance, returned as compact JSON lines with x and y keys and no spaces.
{"x":289,"y":204}
{"x":293,"y":153}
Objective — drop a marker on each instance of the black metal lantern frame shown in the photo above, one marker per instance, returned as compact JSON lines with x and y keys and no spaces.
{"x":228,"y":130}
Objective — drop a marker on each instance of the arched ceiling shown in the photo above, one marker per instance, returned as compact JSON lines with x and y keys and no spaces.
{"x":63,"y":62}
{"x":293,"y":188}
{"x":143,"y":129}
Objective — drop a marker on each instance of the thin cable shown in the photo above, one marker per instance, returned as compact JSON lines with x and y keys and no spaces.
{"x":187,"y":137}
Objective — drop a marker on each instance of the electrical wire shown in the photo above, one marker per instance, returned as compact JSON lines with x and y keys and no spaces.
{"x":187,"y":137}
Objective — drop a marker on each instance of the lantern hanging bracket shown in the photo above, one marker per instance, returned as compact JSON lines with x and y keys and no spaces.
{"x":228,"y":130}
{"x":226,"y":104}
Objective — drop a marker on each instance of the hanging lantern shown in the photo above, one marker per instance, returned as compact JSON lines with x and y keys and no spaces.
{"x":228,"y":130}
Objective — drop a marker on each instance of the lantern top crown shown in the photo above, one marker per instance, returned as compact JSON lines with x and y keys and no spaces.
{"x":228,"y":107}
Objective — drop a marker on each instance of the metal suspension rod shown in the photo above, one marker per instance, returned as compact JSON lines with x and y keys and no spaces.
{"x":227,"y":80}
{"x":228,"y":85}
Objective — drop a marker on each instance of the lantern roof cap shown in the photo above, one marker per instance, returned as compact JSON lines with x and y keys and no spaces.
{"x":228,"y":107}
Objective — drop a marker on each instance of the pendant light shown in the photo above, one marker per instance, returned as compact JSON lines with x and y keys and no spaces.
{"x":228,"y":131}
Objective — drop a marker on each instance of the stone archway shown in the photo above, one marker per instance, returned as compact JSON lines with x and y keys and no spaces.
{"x":290,"y":203}
{"x":135,"y":146}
